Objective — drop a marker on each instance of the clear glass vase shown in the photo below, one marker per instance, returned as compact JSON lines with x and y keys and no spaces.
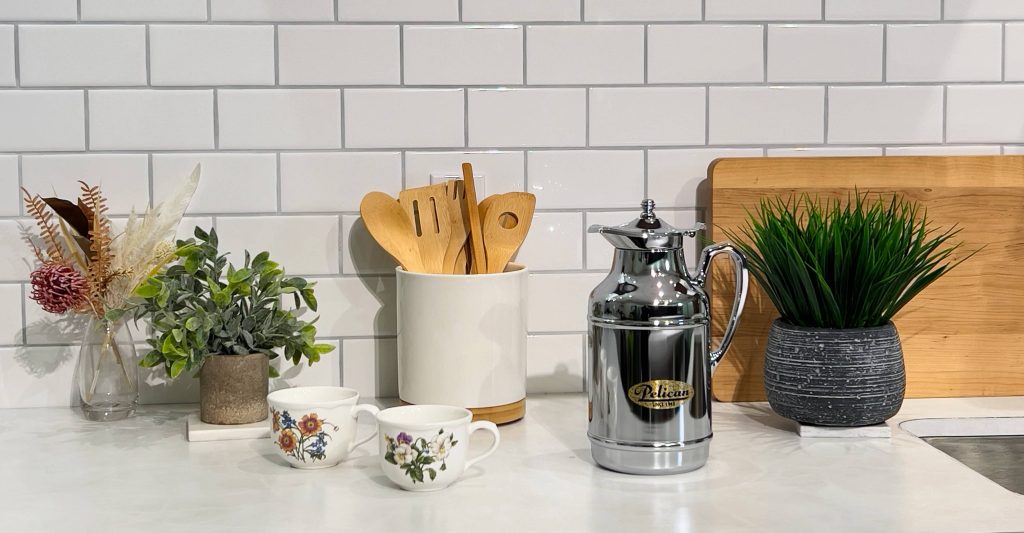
{"x":107,"y":375}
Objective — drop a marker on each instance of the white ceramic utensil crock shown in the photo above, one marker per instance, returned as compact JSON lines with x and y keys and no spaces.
{"x":315,"y":427}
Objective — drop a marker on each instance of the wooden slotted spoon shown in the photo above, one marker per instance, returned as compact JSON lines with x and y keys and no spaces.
{"x":427,"y":208}
{"x":455,"y":255}
{"x":505,"y":225}
{"x":391,"y":228}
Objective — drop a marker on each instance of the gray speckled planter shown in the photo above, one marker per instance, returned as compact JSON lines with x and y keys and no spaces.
{"x":834,"y":377}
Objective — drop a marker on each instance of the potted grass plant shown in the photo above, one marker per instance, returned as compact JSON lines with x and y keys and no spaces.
{"x":837,"y":273}
{"x":225,"y":324}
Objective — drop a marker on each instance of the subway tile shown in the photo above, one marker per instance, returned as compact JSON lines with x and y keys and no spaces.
{"x":10,"y":196}
{"x":883,"y":9}
{"x":324,"y":373}
{"x":1013,"y":150}
{"x":501,"y":171}
{"x":82,"y":55}
{"x":944,"y":52}
{"x":710,"y":53}
{"x":7,"y":55}
{"x":42,"y":120}
{"x":230,"y":182}
{"x":48,"y":10}
{"x":123,"y":178}
{"x":398,"y":10}
{"x":673,"y":176}
{"x":303,"y":245}
{"x":527,"y":117}
{"x":766,"y":115}
{"x":211,"y":55}
{"x":646,"y":116}
{"x":339,"y":55}
{"x":279,"y":118}
{"x":150,"y":120}
{"x":825,"y":52}
{"x":762,"y":10}
{"x":943,"y":150}
{"x":868,"y":115}
{"x":187,"y":226}
{"x":555,"y":242}
{"x":406,"y":118}
{"x":370,"y":366}
{"x":558,"y":302}
{"x":463,"y":55}
{"x":156,"y":388}
{"x":17,"y":259}
{"x":584,"y":54}
{"x":826,"y":151}
{"x":642,"y":10}
{"x":10,"y":314}
{"x":985,"y":113}
{"x":355,"y":306}
{"x":360,"y":253}
{"x":46,"y":328}
{"x":600,"y":252}
{"x":148,"y":10}
{"x":983,"y":9}
{"x":37,"y":376}
{"x":586,"y":178}
{"x":1015,"y":52}
{"x":325,"y":181}
{"x":554,"y":363}
{"x":272,"y":10}
{"x":520,"y":11}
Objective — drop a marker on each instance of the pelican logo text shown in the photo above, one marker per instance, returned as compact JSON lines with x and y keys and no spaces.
{"x":660,"y":393}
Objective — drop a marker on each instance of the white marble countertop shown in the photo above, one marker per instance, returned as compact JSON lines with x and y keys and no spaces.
{"x":61,"y":473}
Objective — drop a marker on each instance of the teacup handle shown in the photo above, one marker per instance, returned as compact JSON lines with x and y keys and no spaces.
{"x":490,"y":428}
{"x":367,"y":408}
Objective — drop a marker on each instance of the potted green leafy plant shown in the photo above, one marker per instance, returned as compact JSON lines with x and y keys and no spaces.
{"x":227,"y":324}
{"x":837,"y":273}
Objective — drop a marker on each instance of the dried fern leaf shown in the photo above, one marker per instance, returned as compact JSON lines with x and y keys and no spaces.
{"x":36,"y":207}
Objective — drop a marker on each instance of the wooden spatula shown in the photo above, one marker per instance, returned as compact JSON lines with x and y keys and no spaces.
{"x":391,"y":228}
{"x":505,"y":227}
{"x":427,"y":208}
{"x":476,"y":242}
{"x":455,"y":256}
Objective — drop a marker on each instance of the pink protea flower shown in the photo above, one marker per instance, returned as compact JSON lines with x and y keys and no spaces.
{"x":59,"y":287}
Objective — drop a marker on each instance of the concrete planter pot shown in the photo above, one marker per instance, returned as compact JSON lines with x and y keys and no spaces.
{"x":834,"y":377}
{"x":233,"y":389}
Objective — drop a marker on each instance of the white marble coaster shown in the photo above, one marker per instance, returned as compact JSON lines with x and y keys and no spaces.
{"x":881,"y":431}
{"x":199,"y":431}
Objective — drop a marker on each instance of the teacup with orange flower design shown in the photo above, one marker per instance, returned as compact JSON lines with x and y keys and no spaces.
{"x":315,"y":427}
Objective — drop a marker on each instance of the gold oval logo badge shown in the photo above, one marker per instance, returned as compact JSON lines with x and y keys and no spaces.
{"x":661,"y":393}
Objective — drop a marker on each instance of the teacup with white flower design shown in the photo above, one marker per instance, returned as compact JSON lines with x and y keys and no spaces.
{"x":315,"y":427}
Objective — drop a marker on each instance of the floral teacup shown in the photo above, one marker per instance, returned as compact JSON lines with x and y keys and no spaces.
{"x":425,"y":447}
{"x":315,"y":427}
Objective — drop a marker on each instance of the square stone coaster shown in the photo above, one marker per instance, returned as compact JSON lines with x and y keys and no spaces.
{"x":881,"y":431}
{"x":199,"y":431}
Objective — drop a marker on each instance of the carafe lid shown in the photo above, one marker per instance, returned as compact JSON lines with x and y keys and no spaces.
{"x":648,"y":232}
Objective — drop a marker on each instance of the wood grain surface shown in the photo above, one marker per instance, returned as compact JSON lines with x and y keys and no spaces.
{"x":964,"y":335}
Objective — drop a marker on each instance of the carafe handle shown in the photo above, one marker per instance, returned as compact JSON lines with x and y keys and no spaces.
{"x":742,"y":282}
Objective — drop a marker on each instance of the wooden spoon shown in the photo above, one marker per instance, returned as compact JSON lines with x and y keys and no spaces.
{"x":455,"y":256}
{"x":391,"y":228}
{"x":505,"y":227}
{"x":476,"y":240}
{"x":427,"y":208}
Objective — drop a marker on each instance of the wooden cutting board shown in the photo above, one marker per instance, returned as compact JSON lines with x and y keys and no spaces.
{"x":962,"y":336}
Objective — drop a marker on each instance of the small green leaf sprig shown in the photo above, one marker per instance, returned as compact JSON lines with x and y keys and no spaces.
{"x":202,"y":305}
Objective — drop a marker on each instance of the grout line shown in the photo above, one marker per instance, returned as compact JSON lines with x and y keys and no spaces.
{"x":85,"y":116}
{"x":525,"y":33}
{"x":460,"y":10}
{"x":942,"y":9}
{"x":401,"y":54}
{"x":341,"y":95}
{"x":152,"y":195}
{"x":526,"y":171}
{"x":24,"y":315}
{"x":334,"y":4}
{"x":587,"y":119}
{"x":465,"y":117}
{"x":516,"y":22}
{"x":885,"y":52}
{"x":764,"y":53}
{"x":17,"y":58}
{"x":945,"y":111}
{"x":78,"y":10}
{"x":209,"y":10}
{"x":21,"y":185}
{"x":647,"y":31}
{"x":216,"y":119}
{"x":707,"y":115}
{"x":646,"y":175}
{"x":823,"y":10}
{"x":703,"y":10}
{"x":277,"y":57}
{"x":825,"y":114}
{"x":1003,"y":51}
{"x":277,"y":160}
{"x":403,"y":155}
{"x":583,"y":10}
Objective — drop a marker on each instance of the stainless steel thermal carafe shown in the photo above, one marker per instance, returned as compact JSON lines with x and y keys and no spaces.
{"x":650,"y":359}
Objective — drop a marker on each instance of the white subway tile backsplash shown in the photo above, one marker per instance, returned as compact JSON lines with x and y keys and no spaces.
{"x":162,"y":10}
{"x":37,"y":376}
{"x":520,"y":11}
{"x":360,"y":253}
{"x":826,"y":151}
{"x":10,"y":195}
{"x":326,"y":181}
{"x":150,"y":120}
{"x":398,"y":10}
{"x":647,"y":116}
{"x":303,"y":245}
{"x":983,"y":9}
{"x":10,"y":314}
{"x":944,"y":52}
{"x":230,"y":182}
{"x":762,"y":9}
{"x":279,"y":118}
{"x":351,"y":307}
{"x":693,"y":53}
{"x":642,"y":10}
{"x":673,"y":176}
{"x":600,"y":253}
{"x":325,"y":373}
{"x":555,"y":242}
{"x":563,"y":179}
{"x":17,"y":260}
{"x":470,"y":55}
{"x":584,"y":54}
{"x":527,"y":117}
{"x":7,"y":55}
{"x":339,"y":55}
{"x":1015,"y":52}
{"x":124,"y":178}
{"x":825,"y":53}
{"x":414,"y":118}
{"x":272,"y":10}
{"x":554,"y":363}
{"x":211,"y":55}
{"x":869,"y":115}
{"x":501,"y":171}
{"x":766,"y":115}
{"x":42,"y":120}
{"x":943,"y":150}
{"x":370,"y":366}
{"x":558,"y":302}
{"x":985,"y":113}
{"x":82,"y":55}
{"x":49,"y":10}
{"x":883,"y":9}
{"x":1013,"y":150}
